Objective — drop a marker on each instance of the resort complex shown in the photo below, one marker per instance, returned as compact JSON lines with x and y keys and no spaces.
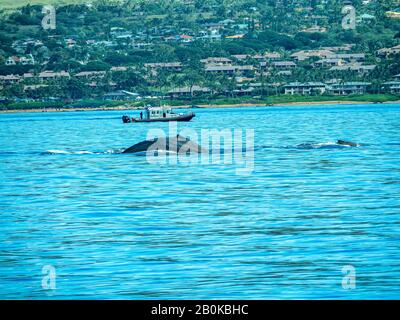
{"x":197,"y":52}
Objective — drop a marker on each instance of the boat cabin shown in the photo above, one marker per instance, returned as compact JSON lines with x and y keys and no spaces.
{"x":157,"y":112}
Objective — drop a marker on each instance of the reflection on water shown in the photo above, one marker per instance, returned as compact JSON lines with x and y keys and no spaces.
{"x":117,"y":226}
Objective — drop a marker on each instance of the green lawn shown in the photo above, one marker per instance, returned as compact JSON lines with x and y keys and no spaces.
{"x":282,"y":99}
{"x":357,"y":98}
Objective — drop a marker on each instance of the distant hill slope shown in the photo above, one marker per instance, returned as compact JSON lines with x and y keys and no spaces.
{"x":6,"y":4}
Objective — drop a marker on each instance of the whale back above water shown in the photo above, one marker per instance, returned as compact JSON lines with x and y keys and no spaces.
{"x":178,"y":144}
{"x":339,"y":144}
{"x":347,"y":143}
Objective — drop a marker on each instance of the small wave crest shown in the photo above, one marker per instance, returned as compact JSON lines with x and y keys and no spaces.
{"x":50,"y":152}
{"x":80,"y":152}
{"x":155,"y":153}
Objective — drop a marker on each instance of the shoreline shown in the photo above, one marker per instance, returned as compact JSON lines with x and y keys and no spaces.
{"x":200,"y":106}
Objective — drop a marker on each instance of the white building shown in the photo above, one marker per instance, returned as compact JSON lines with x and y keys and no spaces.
{"x":308,"y":88}
{"x":348,"y":88}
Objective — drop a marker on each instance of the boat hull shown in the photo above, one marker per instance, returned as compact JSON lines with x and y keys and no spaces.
{"x":185,"y":117}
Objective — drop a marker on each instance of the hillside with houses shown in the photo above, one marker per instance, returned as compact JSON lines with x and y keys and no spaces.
{"x":194,"y":52}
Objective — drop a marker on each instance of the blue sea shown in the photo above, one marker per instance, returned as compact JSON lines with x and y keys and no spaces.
{"x":114,"y":226}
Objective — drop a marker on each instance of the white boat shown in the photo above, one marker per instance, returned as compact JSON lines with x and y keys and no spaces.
{"x":159,"y":114}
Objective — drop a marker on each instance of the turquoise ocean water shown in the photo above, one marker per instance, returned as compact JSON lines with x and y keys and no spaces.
{"x":117,"y":227}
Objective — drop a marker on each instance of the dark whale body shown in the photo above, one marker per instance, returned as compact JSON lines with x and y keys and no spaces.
{"x":347,"y":143}
{"x":177,"y":144}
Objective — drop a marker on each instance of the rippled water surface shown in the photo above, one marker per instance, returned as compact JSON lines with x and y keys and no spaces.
{"x":115,"y":226}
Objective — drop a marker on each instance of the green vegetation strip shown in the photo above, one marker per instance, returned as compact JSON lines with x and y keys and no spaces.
{"x":282,"y":99}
